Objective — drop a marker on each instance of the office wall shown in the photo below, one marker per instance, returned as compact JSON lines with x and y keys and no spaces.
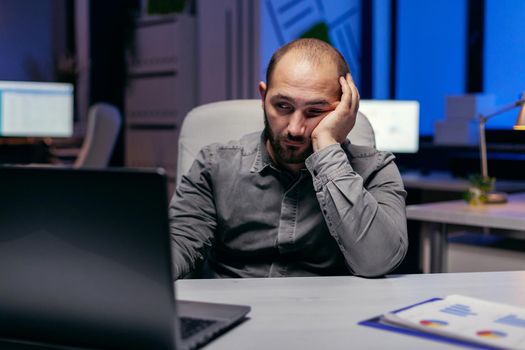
{"x":26,"y":40}
{"x":339,"y":21}
{"x":227,"y":49}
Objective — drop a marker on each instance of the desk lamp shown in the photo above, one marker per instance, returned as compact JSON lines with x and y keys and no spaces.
{"x":495,"y":197}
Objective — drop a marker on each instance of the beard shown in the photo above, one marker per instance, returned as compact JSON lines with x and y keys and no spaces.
{"x":286,"y":154}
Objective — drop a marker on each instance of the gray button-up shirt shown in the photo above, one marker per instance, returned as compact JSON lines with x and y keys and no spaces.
{"x":241,"y":215}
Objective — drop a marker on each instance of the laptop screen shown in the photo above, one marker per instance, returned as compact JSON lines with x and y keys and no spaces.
{"x":85,"y":259}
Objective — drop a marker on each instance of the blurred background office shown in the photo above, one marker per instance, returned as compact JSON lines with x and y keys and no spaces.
{"x":150,"y":62}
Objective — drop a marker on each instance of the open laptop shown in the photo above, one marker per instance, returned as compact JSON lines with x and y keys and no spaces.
{"x":85,"y":262}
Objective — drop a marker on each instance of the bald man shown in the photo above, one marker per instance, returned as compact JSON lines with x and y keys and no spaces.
{"x":297,"y":199}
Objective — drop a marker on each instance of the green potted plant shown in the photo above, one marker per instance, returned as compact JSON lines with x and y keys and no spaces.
{"x":479,"y":189}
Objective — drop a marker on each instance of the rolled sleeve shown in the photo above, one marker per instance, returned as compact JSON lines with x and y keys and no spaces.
{"x":328,"y":164}
{"x":368,"y":221}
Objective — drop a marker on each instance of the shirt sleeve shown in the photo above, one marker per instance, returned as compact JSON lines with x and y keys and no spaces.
{"x":368,"y":221}
{"x":192,"y":217}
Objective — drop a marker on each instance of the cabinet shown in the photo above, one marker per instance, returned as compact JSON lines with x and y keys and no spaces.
{"x":161,"y":90}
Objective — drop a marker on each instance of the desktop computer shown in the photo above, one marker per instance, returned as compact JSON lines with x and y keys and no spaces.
{"x":35,"y":109}
{"x":395,"y":124}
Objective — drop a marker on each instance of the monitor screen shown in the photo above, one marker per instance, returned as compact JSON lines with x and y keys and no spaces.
{"x":395,"y":124}
{"x":31,"y":109}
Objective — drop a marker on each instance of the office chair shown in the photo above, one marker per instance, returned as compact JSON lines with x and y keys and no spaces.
{"x":103,"y":127}
{"x":228,"y":120}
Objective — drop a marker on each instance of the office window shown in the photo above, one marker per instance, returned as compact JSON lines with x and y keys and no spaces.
{"x":381,"y":49}
{"x":504,"y":52}
{"x":430,"y":55}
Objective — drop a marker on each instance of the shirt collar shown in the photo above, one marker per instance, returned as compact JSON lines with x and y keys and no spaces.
{"x":263,"y":160}
{"x":262,"y":157}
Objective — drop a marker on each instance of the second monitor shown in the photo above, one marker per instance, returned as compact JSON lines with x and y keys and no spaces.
{"x":34,"y":109}
{"x":395,"y":124}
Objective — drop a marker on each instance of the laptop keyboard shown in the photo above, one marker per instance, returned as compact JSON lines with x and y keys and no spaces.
{"x":189,"y":326}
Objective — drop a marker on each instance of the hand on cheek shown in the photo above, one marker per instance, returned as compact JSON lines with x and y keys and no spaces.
{"x":335,"y":127}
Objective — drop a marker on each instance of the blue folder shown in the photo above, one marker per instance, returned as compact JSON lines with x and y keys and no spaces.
{"x":376,"y":322}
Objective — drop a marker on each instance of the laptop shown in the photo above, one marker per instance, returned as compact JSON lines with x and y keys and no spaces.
{"x":85,"y":262}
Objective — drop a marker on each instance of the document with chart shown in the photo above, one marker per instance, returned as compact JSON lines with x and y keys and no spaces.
{"x":465,"y":318}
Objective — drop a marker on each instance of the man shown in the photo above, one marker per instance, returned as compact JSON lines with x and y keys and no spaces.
{"x":297,"y":199}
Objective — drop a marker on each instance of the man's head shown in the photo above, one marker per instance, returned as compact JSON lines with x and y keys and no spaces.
{"x":302,"y":88}
{"x":313,"y":50}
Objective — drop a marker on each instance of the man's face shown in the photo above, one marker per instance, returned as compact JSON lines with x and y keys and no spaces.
{"x":301,"y":94}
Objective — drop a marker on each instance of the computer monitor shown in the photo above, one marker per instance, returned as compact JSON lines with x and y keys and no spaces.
{"x":395,"y":124}
{"x":31,"y":109}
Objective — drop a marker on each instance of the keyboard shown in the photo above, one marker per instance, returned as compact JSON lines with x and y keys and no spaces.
{"x":190,"y":326}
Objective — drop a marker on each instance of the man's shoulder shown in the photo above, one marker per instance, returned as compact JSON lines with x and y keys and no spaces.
{"x":247,"y":145}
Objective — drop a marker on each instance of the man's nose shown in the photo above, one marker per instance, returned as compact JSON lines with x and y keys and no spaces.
{"x":297,"y":125}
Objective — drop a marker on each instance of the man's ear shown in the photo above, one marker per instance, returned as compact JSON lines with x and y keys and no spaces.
{"x":262,"y":91}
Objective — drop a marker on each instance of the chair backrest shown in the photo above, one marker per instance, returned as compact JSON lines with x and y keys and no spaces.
{"x":228,"y":120}
{"x":103,"y":127}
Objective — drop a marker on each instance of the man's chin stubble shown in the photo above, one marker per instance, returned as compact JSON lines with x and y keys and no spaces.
{"x":287,"y":155}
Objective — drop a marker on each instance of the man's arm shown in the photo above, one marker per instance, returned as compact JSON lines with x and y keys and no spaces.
{"x":192,"y":217}
{"x":368,"y":222}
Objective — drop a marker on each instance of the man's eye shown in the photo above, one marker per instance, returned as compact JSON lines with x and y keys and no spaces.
{"x":284,"y":107}
{"x":315,"y":112}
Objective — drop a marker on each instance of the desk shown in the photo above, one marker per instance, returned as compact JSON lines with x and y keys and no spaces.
{"x":445,"y":182}
{"x":436,"y":216}
{"x":323,"y":312}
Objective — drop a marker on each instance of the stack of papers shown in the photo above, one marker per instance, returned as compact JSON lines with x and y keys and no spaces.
{"x":470,"y":320}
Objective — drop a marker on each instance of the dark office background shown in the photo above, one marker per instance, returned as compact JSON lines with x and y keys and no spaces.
{"x":422,"y":50}
{"x":398,"y":49}
{"x":405,"y":49}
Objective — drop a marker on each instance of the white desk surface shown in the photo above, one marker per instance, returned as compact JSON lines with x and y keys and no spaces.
{"x":444,"y":181}
{"x":323,"y":312}
{"x":509,"y":216}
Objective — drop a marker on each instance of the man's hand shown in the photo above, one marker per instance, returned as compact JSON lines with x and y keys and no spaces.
{"x":335,"y":126}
